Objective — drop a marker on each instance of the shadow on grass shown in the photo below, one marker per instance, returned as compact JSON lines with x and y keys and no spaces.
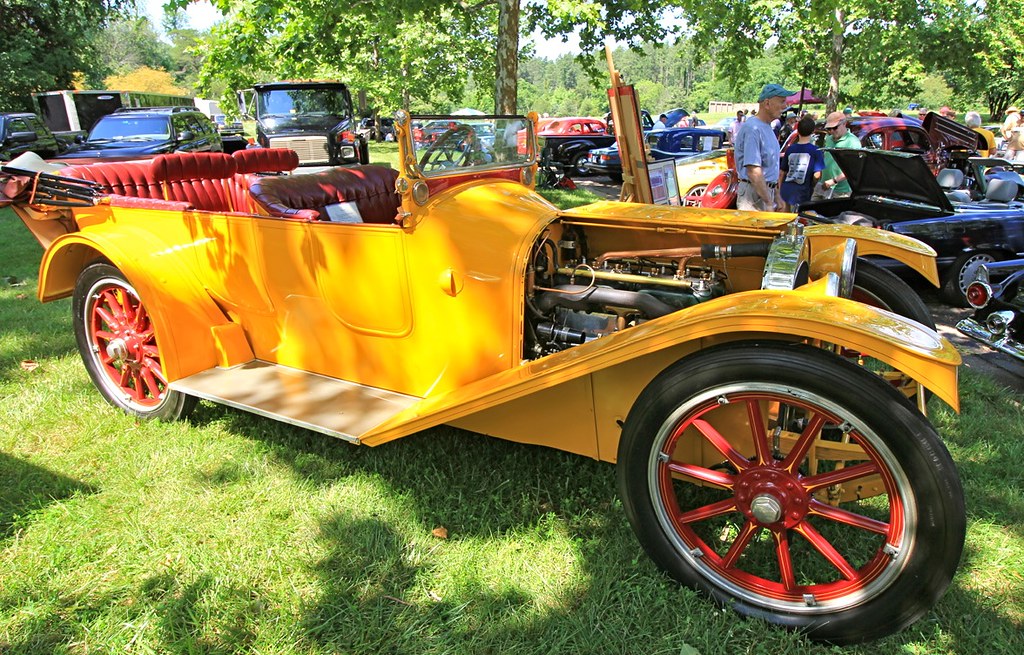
{"x":371,"y":597}
{"x":26,"y":488}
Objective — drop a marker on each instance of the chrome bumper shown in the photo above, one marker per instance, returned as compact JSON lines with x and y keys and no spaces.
{"x":1001,"y":342}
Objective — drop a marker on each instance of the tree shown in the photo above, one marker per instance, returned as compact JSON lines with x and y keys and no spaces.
{"x":44,"y":43}
{"x":979,"y":49}
{"x":127,"y":44}
{"x":145,"y":79}
{"x":822,"y":40}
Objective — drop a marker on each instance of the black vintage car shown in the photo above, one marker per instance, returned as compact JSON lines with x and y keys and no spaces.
{"x":998,"y":320}
{"x":897,"y":191}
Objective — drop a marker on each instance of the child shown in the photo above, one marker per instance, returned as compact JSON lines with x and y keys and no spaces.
{"x":801,"y":166}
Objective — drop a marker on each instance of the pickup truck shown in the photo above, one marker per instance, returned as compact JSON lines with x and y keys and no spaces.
{"x":22,"y":132}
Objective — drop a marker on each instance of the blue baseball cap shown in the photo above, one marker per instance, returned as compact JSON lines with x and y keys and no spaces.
{"x":773,"y":91}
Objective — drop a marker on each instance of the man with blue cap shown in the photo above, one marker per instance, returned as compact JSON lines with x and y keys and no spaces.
{"x":757,"y":153}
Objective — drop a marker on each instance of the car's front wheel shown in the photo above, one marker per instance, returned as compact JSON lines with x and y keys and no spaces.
{"x":117,"y":340}
{"x":793,"y":486}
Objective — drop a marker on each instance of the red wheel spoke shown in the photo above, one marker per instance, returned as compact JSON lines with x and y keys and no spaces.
{"x":715,"y":478}
{"x":107,"y":318}
{"x":758,"y":432}
{"x":803,"y":443}
{"x":721,"y":444}
{"x":828,"y":551}
{"x":740,"y":544}
{"x":141,"y":319}
{"x":785,"y":560}
{"x":151,"y":386}
{"x":113,"y":303}
{"x":839,"y":476}
{"x":708,"y":511}
{"x":847,"y":517}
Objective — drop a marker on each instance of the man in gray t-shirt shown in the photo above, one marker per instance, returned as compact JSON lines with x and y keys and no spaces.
{"x":757,"y":154}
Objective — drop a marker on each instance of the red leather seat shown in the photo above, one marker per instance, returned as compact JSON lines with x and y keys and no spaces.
{"x":198,"y":178}
{"x":133,"y":179}
{"x":253,"y":163}
{"x":371,"y":188}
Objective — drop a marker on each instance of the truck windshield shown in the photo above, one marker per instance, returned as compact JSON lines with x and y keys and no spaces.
{"x":282,"y":102}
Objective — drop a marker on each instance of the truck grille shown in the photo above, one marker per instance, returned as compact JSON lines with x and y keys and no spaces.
{"x":311,"y":149}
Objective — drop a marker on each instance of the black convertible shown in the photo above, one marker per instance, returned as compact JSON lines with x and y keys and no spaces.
{"x":897,"y":191}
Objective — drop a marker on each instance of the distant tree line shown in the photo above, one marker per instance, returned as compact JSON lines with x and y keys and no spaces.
{"x":433,"y":55}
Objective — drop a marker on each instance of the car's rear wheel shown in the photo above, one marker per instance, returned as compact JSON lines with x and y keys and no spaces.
{"x":615,"y":177}
{"x":793,"y":486}
{"x":117,"y":340}
{"x":962,"y":273}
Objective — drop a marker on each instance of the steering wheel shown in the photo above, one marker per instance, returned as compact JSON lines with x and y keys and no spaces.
{"x":449,"y":150}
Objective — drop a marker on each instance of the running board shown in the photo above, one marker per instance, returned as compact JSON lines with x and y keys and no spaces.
{"x":334,"y":407}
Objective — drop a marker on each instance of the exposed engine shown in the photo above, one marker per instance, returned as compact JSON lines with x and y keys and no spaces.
{"x":572,"y":300}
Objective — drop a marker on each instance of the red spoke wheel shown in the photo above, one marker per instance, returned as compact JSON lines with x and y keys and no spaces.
{"x":117,"y":341}
{"x":794,"y":486}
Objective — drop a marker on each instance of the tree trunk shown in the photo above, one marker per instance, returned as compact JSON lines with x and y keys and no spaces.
{"x":835,"y":61}
{"x":507,"y":64}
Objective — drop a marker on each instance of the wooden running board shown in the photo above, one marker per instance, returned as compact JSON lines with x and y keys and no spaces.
{"x":335,"y":407}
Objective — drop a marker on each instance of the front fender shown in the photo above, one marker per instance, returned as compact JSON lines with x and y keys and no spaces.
{"x":872,"y":241}
{"x":616,"y":368}
{"x":193,"y":333}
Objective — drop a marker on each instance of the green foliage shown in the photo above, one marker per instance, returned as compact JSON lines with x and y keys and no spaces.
{"x":44,"y":43}
{"x":126,"y":45}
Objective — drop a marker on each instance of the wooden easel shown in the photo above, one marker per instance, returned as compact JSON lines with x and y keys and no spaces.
{"x":636,"y":184}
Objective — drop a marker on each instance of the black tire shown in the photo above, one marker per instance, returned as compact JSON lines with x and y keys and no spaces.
{"x":895,"y":487}
{"x":579,"y":164}
{"x":875,"y":286}
{"x":961,"y":274}
{"x":122,"y":358}
{"x":615,"y":177}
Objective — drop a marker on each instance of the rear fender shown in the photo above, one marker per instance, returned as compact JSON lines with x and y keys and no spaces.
{"x":193,"y":333}
{"x":601,"y":379}
{"x":870,"y":241}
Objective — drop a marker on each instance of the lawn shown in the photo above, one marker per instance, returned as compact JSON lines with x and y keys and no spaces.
{"x":232,"y":533}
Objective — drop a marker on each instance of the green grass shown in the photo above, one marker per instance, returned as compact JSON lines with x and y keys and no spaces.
{"x":231,"y":533}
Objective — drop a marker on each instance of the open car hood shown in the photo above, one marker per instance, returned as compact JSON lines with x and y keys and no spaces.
{"x":947,"y":134}
{"x":896,"y":175}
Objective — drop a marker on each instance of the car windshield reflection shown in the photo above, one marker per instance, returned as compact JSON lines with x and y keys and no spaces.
{"x":458,"y":144}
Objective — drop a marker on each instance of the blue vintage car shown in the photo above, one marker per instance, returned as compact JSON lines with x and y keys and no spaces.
{"x":672,"y":143}
{"x":897,"y":191}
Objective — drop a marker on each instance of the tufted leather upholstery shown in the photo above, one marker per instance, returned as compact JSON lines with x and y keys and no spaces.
{"x":198,"y":178}
{"x":134,"y":179}
{"x":250,"y":164}
{"x":372,"y":188}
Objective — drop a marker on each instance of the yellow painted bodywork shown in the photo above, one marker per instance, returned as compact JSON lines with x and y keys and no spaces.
{"x":433,"y":308}
{"x":697,"y":173}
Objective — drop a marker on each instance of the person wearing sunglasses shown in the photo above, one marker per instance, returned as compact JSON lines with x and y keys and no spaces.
{"x":838,"y":135}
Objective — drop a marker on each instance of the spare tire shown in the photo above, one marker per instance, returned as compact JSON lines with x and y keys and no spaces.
{"x":721,"y":192}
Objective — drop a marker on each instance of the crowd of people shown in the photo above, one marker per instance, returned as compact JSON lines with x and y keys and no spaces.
{"x":780,"y":167}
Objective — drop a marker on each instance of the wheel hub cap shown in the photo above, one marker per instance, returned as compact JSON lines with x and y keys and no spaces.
{"x":771,"y":497}
{"x":117,"y":350}
{"x":766,"y":509}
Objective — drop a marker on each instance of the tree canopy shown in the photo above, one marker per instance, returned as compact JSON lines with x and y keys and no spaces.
{"x":45,"y":44}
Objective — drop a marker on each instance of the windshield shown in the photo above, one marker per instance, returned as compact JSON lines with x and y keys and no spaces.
{"x":127,"y":128}
{"x":325,"y":102}
{"x":457,"y":142}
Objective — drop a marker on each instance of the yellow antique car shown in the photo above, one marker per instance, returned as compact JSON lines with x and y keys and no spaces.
{"x":767,"y":427}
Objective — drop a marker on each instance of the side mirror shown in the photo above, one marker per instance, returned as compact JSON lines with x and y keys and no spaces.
{"x":23,"y":137}
{"x":80,"y":138}
{"x":187,"y":135}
